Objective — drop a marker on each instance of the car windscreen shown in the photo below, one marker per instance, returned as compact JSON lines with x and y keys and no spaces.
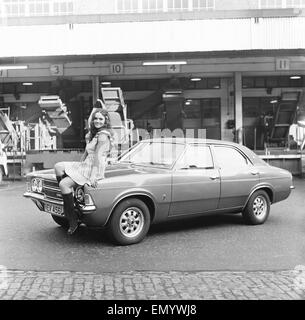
{"x":162,"y":154}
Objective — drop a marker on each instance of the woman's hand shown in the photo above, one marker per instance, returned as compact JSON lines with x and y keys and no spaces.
{"x":93,"y":182}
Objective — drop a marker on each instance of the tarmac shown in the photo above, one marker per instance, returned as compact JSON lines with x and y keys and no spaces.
{"x":258,"y":285}
{"x":152,"y":285}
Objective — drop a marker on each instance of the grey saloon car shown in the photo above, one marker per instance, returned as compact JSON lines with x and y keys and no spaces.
{"x":168,"y":178}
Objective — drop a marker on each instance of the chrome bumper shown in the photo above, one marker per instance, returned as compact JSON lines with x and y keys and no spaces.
{"x":41,"y":198}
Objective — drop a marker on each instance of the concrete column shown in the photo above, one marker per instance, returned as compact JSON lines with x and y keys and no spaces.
{"x":238,"y":107}
{"x":227,"y":108}
{"x":95,"y":88}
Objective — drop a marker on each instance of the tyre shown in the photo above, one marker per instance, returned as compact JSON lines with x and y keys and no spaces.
{"x":257,"y":209}
{"x":129,"y":222}
{"x":63,"y":222}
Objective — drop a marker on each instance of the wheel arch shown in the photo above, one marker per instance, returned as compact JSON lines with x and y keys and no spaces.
{"x":143,"y":197}
{"x":267,"y":189}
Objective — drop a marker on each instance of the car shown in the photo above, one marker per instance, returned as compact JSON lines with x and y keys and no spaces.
{"x":162,"y":179}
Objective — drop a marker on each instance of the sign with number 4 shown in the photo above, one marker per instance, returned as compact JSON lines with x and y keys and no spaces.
{"x":173,"y":68}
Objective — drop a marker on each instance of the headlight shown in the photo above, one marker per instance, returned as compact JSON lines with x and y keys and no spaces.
{"x":37,"y":185}
{"x":80,"y":195}
{"x":34,"y":185}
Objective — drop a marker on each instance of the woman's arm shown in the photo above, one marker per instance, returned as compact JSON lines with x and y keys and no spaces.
{"x":99,"y":163}
{"x":84,"y":156}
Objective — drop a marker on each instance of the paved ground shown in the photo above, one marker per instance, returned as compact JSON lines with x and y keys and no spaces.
{"x":276,"y":248}
{"x":265,"y":285}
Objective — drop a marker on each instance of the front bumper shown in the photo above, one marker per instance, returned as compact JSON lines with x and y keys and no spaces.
{"x":40,"y":200}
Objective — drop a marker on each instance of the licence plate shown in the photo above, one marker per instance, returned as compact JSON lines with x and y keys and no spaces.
{"x":53,"y":208}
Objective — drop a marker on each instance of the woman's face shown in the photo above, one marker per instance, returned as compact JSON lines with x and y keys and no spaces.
{"x":99,"y":120}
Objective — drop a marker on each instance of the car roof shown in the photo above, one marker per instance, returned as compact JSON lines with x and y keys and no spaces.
{"x":249,"y":153}
{"x":191,"y":140}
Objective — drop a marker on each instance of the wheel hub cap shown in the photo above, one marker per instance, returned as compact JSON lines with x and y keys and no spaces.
{"x":131,"y":222}
{"x":260,"y":206}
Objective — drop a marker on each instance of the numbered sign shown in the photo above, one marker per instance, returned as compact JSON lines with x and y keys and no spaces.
{"x":282,"y":64}
{"x":174,"y":68}
{"x":57,"y":70}
{"x":116,"y":68}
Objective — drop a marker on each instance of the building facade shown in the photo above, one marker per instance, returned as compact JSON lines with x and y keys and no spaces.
{"x":21,"y":8}
{"x":228,"y":62}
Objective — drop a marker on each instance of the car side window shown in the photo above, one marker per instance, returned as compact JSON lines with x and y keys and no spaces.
{"x":230,"y":158}
{"x":196,"y":157}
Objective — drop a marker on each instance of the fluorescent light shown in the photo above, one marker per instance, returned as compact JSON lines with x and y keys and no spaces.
{"x":295,"y":77}
{"x":195,"y":79}
{"x":106,"y":83}
{"x":162,"y":63}
{"x":13,"y":67}
{"x":27,"y":83}
{"x":173,"y":92}
{"x":273,"y":101}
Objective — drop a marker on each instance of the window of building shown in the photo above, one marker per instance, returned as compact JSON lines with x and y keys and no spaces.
{"x":62,"y":7}
{"x":39,"y":7}
{"x":295,"y":3}
{"x":127,"y":6}
{"x":203,"y":4}
{"x":273,"y":82}
{"x":177,"y":5}
{"x":152,"y":5}
{"x":203,"y":113}
{"x":272,"y":4}
{"x":14,"y":8}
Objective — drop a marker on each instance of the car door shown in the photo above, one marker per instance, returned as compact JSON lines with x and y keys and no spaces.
{"x":238,"y":176}
{"x":195,"y":182}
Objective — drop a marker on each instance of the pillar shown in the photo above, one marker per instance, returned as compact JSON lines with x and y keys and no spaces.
{"x":238,"y":107}
{"x":95,"y":88}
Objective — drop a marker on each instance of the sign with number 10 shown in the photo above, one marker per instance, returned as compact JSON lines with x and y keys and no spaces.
{"x":116,"y":68}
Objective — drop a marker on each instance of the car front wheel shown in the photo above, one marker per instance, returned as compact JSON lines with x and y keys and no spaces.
{"x":63,"y":222}
{"x":257,"y":209}
{"x":130,"y":221}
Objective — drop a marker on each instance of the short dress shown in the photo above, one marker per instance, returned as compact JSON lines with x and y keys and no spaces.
{"x":80,"y":171}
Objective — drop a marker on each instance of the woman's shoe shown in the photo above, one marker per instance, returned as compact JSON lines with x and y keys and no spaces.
{"x":72,"y":230}
{"x":70,"y":213}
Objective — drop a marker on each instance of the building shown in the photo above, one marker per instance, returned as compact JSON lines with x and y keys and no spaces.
{"x":222,"y":65}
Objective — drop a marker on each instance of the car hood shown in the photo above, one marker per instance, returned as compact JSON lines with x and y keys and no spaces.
{"x":114,"y":170}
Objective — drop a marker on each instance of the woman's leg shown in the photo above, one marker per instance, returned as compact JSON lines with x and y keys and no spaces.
{"x":59,"y":171}
{"x":66,"y":187}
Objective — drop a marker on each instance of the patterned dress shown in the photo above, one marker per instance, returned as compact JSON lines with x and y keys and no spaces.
{"x":80,"y":172}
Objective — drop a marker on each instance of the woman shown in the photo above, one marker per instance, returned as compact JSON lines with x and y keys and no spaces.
{"x":90,"y":169}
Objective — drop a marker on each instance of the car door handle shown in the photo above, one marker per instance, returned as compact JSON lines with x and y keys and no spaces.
{"x":254,"y":172}
{"x":214,"y":177}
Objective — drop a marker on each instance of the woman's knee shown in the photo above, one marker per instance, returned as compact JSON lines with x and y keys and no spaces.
{"x":59,"y":167}
{"x":66,"y":185}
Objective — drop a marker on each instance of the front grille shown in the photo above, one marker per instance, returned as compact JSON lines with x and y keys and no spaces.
{"x":50,"y":184}
{"x":51,"y":190}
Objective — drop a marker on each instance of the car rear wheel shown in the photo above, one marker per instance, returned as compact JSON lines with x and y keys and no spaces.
{"x":63,"y":222}
{"x":129,"y":222}
{"x":257,"y":209}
